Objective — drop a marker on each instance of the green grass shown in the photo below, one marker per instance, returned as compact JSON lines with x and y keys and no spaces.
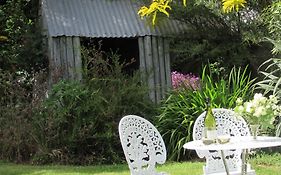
{"x":263,"y":164}
{"x":12,"y":169}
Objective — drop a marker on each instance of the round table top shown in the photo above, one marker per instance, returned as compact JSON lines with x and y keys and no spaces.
{"x":242,"y":142}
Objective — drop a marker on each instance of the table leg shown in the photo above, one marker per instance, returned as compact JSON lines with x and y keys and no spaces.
{"x":244,"y":161}
{"x":224,"y":163}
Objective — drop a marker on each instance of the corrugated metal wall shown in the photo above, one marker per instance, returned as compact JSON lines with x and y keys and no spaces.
{"x":155,"y":63}
{"x":101,"y":18}
{"x":65,"y":58}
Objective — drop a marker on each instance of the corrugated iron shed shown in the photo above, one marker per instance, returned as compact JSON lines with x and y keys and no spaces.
{"x":100,"y":18}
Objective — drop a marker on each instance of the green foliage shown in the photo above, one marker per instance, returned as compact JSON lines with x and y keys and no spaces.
{"x":271,"y":82}
{"x":181,"y":108}
{"x":16,"y":104}
{"x":272,"y":158}
{"x":21,"y":45}
{"x":278,"y":127}
{"x":21,"y":61}
{"x":271,"y":18}
{"x":72,"y":120}
{"x":271,"y":68}
{"x":21,"y":58}
{"x":209,"y":38}
{"x":105,"y":72}
{"x":78,"y":123}
{"x":212,"y":36}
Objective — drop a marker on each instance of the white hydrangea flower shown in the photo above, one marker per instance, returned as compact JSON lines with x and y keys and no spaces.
{"x":260,"y":110}
{"x":248,"y":107}
{"x":257,"y":96}
{"x":273,"y":99}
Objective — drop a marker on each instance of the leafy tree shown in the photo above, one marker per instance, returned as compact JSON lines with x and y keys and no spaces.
{"x":225,"y":39}
{"x":20,"y":39}
{"x":163,"y":6}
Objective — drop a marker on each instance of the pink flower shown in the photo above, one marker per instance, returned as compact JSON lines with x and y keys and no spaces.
{"x":186,"y":81}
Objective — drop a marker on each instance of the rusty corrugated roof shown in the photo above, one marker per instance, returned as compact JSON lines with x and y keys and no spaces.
{"x":100,"y":18}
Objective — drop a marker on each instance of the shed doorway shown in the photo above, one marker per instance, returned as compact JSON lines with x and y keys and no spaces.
{"x":126,"y":48}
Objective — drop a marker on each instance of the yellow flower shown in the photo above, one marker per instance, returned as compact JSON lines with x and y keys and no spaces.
{"x":3,"y":38}
{"x":184,"y":2}
{"x":231,"y":5}
{"x":155,"y":7}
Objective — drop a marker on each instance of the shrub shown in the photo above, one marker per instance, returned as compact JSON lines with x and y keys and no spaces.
{"x":78,"y":123}
{"x":70,"y":120}
{"x":181,"y":108}
{"x":16,"y":103}
{"x":22,"y":57}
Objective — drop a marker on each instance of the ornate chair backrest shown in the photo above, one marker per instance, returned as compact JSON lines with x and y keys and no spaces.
{"x":142,"y":144}
{"x":227,"y":122}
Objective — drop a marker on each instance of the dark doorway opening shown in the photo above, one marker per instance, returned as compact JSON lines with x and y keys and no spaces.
{"x":126,"y":48}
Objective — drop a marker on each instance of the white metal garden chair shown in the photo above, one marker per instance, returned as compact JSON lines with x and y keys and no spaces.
{"x":142,"y":144}
{"x":227,"y":123}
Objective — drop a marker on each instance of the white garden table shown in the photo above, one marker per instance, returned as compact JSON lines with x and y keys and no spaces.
{"x":243,"y":142}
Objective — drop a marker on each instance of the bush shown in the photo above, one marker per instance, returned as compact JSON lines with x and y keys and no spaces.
{"x":16,"y":103}
{"x":181,"y":108}
{"x":21,"y":61}
{"x":69,"y":126}
{"x":78,"y":123}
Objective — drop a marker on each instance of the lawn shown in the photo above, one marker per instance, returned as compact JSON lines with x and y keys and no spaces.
{"x":264,"y":165}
